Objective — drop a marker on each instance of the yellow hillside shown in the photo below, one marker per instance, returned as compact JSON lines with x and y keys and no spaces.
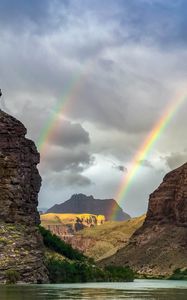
{"x":109,"y":237}
{"x":55,"y":218}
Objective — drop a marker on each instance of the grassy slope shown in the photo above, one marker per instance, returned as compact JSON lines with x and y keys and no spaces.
{"x":109,"y":237}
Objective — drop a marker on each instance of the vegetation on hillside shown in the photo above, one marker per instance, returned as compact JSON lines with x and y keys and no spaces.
{"x":76,"y":271}
{"x":54,"y":243}
{"x":118,"y":273}
{"x":77,"y":267}
{"x":12,"y":276}
{"x":179,"y":274}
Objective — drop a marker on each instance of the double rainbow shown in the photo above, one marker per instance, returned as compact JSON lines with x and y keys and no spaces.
{"x":70,"y":93}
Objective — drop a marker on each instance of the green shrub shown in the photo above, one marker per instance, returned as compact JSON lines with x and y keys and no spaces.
{"x":55,"y":243}
{"x":12,"y":276}
{"x":63,"y":271}
{"x":179,"y":274}
{"x":118,"y":273}
{"x":76,"y":271}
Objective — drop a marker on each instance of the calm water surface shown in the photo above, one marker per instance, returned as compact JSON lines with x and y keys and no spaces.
{"x":139,"y":289}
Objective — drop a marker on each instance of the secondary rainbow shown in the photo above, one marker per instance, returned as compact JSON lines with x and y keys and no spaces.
{"x":146,"y":147}
{"x":52,"y":123}
{"x":62,"y":106}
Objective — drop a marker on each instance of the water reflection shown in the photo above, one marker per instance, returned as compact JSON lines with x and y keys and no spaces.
{"x":138,"y":290}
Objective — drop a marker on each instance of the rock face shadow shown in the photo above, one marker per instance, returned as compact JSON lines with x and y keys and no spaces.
{"x":21,"y":246}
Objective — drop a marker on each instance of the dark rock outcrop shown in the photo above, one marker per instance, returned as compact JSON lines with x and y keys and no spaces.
{"x":80,"y":203}
{"x":160,"y":245}
{"x":21,"y":246}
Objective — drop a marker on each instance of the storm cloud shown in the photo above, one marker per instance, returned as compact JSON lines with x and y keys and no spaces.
{"x":111,"y":68}
{"x":70,"y":135}
{"x":58,"y":159}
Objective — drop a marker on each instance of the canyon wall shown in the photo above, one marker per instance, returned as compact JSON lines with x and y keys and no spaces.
{"x":21,"y":246}
{"x":160,"y":245}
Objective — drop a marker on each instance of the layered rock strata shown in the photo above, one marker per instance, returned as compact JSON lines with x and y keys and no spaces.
{"x":160,"y":245}
{"x":21,"y":246}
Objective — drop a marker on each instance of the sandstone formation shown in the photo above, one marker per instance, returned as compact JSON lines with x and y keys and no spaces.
{"x":21,"y":246}
{"x":80,"y":203}
{"x":160,"y":245}
{"x":67,"y":225}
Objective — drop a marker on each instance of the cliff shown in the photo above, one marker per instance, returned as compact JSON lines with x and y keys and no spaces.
{"x":21,"y":246}
{"x":80,"y":203}
{"x":66,"y":225}
{"x":160,"y":245}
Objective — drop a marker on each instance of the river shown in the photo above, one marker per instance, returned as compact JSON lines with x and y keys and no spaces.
{"x":139,"y":289}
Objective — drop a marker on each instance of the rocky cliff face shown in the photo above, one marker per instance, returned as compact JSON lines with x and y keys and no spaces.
{"x":80,"y":203}
{"x":160,"y":245}
{"x":67,"y":225}
{"x":168,"y":204}
{"x":21,"y":246}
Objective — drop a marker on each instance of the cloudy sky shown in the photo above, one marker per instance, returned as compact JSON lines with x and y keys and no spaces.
{"x":112,"y":66}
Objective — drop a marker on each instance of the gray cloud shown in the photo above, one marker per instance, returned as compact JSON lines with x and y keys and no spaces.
{"x":146,"y":163}
{"x":67,"y":179}
{"x":59,"y":159}
{"x":122,"y":168}
{"x":77,"y":180}
{"x":113,"y":66}
{"x":38,"y":16}
{"x":176,"y":159}
{"x":70,"y":135}
{"x":45,"y":71}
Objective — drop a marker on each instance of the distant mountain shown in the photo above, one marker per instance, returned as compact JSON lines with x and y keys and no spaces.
{"x":80,"y":203}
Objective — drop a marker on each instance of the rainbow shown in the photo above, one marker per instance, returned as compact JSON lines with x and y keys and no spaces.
{"x":145,"y":149}
{"x":69,"y":94}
